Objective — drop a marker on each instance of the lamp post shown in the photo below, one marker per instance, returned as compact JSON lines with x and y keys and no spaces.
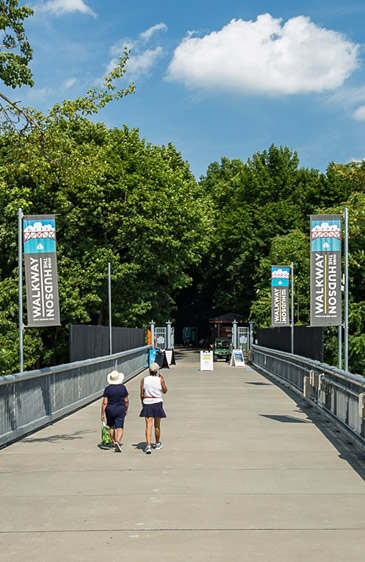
{"x":292,"y":307}
{"x":20,"y":288}
{"x":346,"y":217}
{"x":110,"y":310}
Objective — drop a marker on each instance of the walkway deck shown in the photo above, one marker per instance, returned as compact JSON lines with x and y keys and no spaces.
{"x":247,"y":473}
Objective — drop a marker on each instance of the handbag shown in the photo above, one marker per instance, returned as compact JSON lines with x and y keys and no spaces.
{"x":105,"y":435}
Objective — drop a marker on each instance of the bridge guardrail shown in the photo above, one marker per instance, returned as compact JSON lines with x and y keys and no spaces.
{"x":31,"y":400}
{"x":338,"y":393}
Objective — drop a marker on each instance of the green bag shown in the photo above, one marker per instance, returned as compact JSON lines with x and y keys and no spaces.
{"x":105,"y":435}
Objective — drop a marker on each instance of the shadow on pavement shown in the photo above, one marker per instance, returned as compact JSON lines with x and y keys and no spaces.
{"x":57,"y":437}
{"x":284,"y":419}
{"x":347,"y":449}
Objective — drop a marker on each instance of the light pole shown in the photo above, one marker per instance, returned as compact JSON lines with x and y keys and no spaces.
{"x":292,"y":307}
{"x":346,"y":217}
{"x":110,"y":310}
{"x":20,"y":288}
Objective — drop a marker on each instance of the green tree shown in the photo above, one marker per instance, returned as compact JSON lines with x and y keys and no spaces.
{"x":15,"y":50}
{"x":118,"y":200}
{"x":294,"y":246}
{"x":253,"y":202}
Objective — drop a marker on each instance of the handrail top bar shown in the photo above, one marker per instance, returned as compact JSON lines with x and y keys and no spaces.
{"x":358,"y":379}
{"x":19,"y":377}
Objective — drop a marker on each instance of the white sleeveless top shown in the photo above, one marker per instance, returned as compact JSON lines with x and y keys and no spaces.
{"x":152,"y":390}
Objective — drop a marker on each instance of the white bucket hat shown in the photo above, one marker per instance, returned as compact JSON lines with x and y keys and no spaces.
{"x":115,"y":377}
{"x":154,"y":367}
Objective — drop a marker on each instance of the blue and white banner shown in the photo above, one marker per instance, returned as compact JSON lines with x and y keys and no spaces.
{"x":40,"y":261}
{"x":326,"y":301}
{"x":280,"y":275}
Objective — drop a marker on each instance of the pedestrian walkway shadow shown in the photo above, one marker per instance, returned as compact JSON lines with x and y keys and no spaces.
{"x":140,"y":446}
{"x":57,"y":437}
{"x":105,"y":447}
{"x":347,"y":450}
{"x":284,"y":419}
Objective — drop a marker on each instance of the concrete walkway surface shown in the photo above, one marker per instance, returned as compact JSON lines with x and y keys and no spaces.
{"x":248,"y":472}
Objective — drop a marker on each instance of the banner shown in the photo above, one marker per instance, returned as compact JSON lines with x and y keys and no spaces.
{"x":40,"y":262}
{"x":280,"y":295}
{"x":326,"y":309}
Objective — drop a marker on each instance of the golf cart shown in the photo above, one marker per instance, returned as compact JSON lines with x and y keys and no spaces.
{"x":222,"y":349}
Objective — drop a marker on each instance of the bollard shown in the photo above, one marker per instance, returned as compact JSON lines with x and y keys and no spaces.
{"x":362,"y":405}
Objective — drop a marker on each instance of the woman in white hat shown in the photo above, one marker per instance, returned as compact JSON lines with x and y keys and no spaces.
{"x":152,"y":389}
{"x":115,"y":405}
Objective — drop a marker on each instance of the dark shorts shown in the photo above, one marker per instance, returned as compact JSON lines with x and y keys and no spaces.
{"x":153,"y":411}
{"x":115,"y":419}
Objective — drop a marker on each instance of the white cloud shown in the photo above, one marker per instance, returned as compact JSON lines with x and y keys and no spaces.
{"x":146,"y":35}
{"x":140,"y":59}
{"x":117,"y":49}
{"x":141,"y":64}
{"x":266,"y":56}
{"x":70,"y":82}
{"x":60,"y":7}
{"x":138,"y":64}
{"x":359,"y":113}
{"x":37,"y":94}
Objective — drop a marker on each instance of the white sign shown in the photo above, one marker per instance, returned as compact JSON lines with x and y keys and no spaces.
{"x":237,"y":359}
{"x":168,"y":354}
{"x":206,"y":360}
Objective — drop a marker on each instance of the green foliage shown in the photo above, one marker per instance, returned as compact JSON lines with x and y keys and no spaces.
{"x":294,"y":247}
{"x":118,"y":200}
{"x":284,"y":250}
{"x":254,"y":203}
{"x":14,"y":72}
{"x":15,"y":51}
{"x":95,"y":98}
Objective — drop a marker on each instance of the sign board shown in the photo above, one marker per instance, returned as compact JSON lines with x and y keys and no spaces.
{"x":280,"y":295}
{"x":325,"y":254}
{"x":152,"y":356}
{"x":206,"y":360}
{"x":237,"y":359}
{"x":169,"y":355}
{"x":40,"y":262}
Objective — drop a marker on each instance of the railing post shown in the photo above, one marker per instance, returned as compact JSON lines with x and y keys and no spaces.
{"x":234,"y":334}
{"x":152,"y":324}
{"x":251,"y":333}
{"x":168,"y":335}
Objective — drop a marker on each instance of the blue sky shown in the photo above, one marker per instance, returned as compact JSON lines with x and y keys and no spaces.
{"x":215,"y":78}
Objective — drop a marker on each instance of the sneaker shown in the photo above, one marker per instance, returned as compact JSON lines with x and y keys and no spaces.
{"x":158,"y":445}
{"x":148,"y":450}
{"x":118,"y":447}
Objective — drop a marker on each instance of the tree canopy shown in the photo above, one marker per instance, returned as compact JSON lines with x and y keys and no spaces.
{"x":15,"y":50}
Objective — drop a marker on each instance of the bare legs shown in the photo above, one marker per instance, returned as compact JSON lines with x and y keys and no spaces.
{"x":157,"y":429}
{"x":148,"y":430}
{"x":118,"y":432}
{"x":149,"y":423}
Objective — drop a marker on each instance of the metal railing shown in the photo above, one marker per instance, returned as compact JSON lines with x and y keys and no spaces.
{"x":33,"y":399}
{"x":338,"y":393}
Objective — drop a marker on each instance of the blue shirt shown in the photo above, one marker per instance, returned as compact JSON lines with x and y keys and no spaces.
{"x":115,"y":394}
